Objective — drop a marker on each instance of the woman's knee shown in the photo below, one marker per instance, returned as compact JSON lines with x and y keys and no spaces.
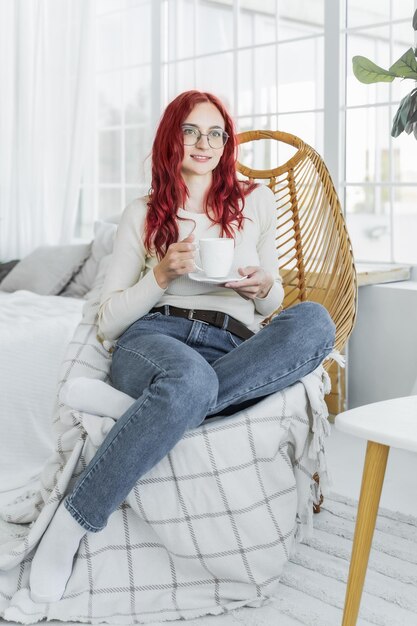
{"x":198,"y":382}
{"x":317,"y":319}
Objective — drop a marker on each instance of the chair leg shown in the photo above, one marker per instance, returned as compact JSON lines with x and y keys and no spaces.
{"x":372,"y":481}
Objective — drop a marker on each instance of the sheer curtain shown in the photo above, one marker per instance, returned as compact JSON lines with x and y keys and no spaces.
{"x":46,"y":109}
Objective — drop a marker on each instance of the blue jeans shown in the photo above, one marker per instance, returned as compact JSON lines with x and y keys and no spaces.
{"x":182,"y":371}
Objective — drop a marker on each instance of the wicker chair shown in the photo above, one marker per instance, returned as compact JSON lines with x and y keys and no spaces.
{"x":314,"y":250}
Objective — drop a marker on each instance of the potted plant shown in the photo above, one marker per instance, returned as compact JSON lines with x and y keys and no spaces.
{"x":405,"y":68}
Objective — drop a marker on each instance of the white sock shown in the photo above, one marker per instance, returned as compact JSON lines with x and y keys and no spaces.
{"x":95,"y":396}
{"x":52,"y":564}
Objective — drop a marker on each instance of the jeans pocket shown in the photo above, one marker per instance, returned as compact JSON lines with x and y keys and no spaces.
{"x":234,"y":339}
{"x":150,"y":316}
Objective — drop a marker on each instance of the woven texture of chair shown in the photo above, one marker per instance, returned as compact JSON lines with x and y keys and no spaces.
{"x":314,"y":252}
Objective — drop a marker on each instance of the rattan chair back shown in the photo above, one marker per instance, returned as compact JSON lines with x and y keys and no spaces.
{"x":314,"y":252}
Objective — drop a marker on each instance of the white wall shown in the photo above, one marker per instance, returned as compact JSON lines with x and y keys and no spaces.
{"x":382,"y":361}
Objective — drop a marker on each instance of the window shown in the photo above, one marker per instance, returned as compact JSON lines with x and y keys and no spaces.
{"x":252,"y":55}
{"x":122,"y":137}
{"x":265,"y":59}
{"x":235,"y":49}
{"x":381,"y":171}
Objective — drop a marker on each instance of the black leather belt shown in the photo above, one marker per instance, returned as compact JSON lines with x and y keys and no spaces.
{"x":215,"y":318}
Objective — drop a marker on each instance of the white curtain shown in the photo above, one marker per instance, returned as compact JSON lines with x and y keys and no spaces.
{"x":46,"y":112}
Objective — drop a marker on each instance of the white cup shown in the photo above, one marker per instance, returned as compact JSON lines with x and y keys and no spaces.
{"x":216,"y":255}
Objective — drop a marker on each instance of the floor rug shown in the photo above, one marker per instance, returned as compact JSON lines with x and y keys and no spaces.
{"x":313,"y":585}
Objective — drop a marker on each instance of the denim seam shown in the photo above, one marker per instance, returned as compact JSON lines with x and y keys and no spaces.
{"x":194,"y":333}
{"x":230,"y":401}
{"x":139,"y":354}
{"x":78,"y":515}
{"x":231,"y":339}
{"x":201,"y":335}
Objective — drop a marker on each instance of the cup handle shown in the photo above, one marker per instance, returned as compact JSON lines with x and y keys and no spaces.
{"x":197,"y":248}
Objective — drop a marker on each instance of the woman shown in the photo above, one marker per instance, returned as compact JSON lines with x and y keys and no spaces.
{"x":185,"y":349}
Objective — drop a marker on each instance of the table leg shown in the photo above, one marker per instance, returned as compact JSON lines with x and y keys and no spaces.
{"x":372,"y":481}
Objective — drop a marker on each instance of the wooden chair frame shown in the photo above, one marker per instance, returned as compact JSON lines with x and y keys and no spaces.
{"x":314,"y":252}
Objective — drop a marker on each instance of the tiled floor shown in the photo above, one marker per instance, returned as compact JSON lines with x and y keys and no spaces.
{"x":345,"y":456}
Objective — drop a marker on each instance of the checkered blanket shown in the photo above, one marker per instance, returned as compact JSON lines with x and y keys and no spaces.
{"x":208,"y":529}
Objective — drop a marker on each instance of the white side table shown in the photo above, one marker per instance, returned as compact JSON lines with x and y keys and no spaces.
{"x":383,"y":424}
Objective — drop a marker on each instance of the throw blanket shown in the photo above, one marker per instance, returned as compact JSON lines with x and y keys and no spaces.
{"x":208,"y":529}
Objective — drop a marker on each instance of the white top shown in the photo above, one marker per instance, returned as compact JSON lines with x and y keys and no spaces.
{"x":130,"y":289}
{"x":390,"y":422}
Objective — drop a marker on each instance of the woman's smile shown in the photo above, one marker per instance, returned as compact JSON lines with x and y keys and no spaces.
{"x":200,"y":157}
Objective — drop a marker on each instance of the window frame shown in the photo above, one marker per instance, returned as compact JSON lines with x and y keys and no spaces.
{"x":334,"y":111}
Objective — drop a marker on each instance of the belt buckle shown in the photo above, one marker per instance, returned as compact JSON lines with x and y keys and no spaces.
{"x":193,"y":319}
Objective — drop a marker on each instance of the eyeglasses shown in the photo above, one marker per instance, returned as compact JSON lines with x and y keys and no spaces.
{"x":216,"y":138}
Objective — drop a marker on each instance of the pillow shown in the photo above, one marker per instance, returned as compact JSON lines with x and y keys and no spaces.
{"x":97,"y":286}
{"x":104,"y":234}
{"x":48,"y":269}
{"x":5,"y":268}
{"x":94,"y":295}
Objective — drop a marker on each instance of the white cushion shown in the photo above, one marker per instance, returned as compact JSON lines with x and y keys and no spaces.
{"x":82,"y":283}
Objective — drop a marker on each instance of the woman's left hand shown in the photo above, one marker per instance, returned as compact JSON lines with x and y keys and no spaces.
{"x":257,"y":284}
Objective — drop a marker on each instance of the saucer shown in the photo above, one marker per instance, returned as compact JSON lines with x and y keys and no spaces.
{"x":200,"y":277}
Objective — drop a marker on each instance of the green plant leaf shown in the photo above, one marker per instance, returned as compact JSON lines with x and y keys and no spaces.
{"x":412,"y":115}
{"x":413,"y":118}
{"x":406,"y":66}
{"x":415,"y":20}
{"x":400,"y":119}
{"x":367,"y":72}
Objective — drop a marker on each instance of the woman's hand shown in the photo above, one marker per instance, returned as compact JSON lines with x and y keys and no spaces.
{"x":257,"y":284}
{"x":178,"y":260}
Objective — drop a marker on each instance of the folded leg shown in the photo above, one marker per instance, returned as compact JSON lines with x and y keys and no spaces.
{"x":294,"y":343}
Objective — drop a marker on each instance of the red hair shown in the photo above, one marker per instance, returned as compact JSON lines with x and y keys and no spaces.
{"x":226,"y":196}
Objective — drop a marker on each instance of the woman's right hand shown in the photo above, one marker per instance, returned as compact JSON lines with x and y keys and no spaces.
{"x":178,"y":260}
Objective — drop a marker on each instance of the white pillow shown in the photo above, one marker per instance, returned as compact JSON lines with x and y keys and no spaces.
{"x":48,"y":269}
{"x":104,"y":234}
{"x":97,"y":286}
{"x":94,"y":295}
